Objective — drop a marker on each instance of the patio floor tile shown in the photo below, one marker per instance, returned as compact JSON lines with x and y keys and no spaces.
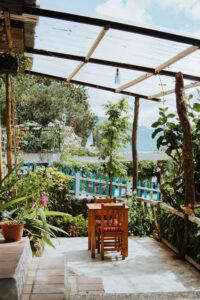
{"x":48,"y":297}
{"x":48,"y":289}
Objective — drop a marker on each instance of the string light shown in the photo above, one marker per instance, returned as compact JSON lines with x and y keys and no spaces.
{"x":117,"y":77}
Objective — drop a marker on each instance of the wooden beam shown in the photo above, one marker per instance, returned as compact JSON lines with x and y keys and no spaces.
{"x":106,"y":63}
{"x":8,"y":28}
{"x":114,"y":25}
{"x":75,"y":71}
{"x":133,"y":82}
{"x":164,"y":65}
{"x":134,"y":143}
{"x":161,"y":94}
{"x":91,"y":51}
{"x":105,"y":88}
{"x":176,"y":58}
{"x":8,"y":124}
{"x":96,"y":43}
{"x":187,"y":152}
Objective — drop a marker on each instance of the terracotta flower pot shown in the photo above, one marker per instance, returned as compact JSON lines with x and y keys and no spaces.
{"x":12,"y":232}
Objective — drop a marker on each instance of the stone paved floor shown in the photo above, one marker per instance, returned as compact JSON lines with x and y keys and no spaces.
{"x":45,"y":279}
{"x":150,"y":268}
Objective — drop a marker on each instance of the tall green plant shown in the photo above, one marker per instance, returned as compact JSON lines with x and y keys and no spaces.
{"x":171,"y":139}
{"x":114,"y":136}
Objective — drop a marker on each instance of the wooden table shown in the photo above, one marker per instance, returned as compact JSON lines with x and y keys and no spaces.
{"x":92,"y":209}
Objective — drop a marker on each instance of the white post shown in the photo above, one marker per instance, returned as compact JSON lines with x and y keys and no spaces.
{"x":128,"y":188}
{"x":77,"y":191}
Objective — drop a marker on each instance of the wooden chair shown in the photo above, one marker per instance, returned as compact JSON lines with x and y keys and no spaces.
{"x":109,"y":200}
{"x":98,"y":217}
{"x":112,"y":229}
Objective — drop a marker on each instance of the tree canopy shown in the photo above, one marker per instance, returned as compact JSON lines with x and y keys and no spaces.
{"x":43,"y":100}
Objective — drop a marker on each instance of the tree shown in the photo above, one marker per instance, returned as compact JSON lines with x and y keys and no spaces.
{"x":182,"y":144}
{"x":43,"y":100}
{"x":114,"y":137}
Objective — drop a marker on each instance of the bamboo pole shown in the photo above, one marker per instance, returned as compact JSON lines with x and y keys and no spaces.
{"x":134,"y":144}
{"x":1,"y":167}
{"x":14,"y":118}
{"x":8,"y":124}
{"x":188,"y":164}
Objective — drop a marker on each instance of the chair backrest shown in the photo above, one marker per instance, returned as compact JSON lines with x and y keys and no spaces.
{"x":113,"y":216}
{"x":109,"y":200}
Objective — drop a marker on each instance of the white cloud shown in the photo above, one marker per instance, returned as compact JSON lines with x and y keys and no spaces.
{"x":136,"y":11}
{"x":133,"y":11}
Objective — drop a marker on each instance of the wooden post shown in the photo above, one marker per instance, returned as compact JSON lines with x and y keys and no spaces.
{"x":14,"y":119}
{"x":188,"y":164}
{"x":8,"y":124}
{"x":134,"y":144}
{"x":1,"y":167}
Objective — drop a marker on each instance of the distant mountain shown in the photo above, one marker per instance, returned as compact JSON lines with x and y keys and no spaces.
{"x":145,"y":143}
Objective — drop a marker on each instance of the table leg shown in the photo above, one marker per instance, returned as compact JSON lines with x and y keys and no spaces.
{"x":92,"y":233}
{"x":126,"y":236}
{"x":89,"y":229}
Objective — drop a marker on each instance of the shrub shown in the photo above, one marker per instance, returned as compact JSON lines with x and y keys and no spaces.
{"x":140,"y":221}
{"x":79,"y":222}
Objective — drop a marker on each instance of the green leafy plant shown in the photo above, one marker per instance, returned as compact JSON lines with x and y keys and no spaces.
{"x":140,"y":221}
{"x":114,"y":137}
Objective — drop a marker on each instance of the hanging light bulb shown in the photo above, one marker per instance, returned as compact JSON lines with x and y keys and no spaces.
{"x":117,"y":77}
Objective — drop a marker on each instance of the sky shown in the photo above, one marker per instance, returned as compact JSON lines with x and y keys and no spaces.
{"x":179,"y":16}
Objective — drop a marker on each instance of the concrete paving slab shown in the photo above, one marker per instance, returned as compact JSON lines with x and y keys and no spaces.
{"x":150,"y":269}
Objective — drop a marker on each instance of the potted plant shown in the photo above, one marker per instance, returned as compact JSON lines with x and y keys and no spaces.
{"x":12,"y":230}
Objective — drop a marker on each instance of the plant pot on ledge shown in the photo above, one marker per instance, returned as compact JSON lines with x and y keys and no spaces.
{"x":8,"y":64}
{"x":11,"y":231}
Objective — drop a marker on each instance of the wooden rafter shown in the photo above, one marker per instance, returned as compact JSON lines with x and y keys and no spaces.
{"x":91,"y":51}
{"x":113,"y":25}
{"x":159,"y":68}
{"x":164,"y":93}
{"x":30,"y":51}
{"x":101,"y":87}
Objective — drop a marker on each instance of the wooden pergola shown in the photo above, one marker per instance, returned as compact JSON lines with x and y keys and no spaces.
{"x":17,"y":22}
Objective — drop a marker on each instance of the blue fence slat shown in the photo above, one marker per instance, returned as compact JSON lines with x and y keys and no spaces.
{"x":113,"y":189}
{"x":87,"y":183}
{"x":67,"y":172}
{"x":22,"y":171}
{"x":80,"y":182}
{"x":34,"y":167}
{"x":152,"y":185}
{"x":60,"y":169}
{"x":145,"y":191}
{"x":100,"y":184}
{"x":158,"y":193}
{"x":41,"y":166}
{"x":120,"y":188}
{"x":139,"y":190}
{"x":74,"y":181}
{"x":28,"y":165}
{"x":107,"y":185}
{"x":94,"y":184}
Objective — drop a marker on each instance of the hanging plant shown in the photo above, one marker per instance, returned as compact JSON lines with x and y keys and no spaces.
{"x":11,"y":64}
{"x":8,"y":64}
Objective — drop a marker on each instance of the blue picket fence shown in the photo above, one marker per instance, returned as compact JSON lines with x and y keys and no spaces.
{"x":85,"y":185}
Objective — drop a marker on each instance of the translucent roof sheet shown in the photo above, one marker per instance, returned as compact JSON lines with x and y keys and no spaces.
{"x":77,"y":39}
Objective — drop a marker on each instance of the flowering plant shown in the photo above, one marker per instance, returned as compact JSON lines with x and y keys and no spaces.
{"x":188,"y":210}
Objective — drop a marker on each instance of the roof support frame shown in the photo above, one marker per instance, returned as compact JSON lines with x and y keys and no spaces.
{"x":108,"y":63}
{"x":113,"y":25}
{"x":164,"y":65}
{"x":90,"y":85}
{"x":91,"y":51}
{"x":165,"y":93}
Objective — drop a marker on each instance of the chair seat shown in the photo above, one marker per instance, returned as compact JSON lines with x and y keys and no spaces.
{"x":110,"y":229}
